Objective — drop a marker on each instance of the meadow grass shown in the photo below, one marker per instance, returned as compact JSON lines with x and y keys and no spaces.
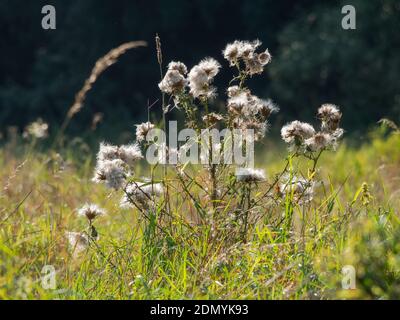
{"x":292,"y":252}
{"x":201,"y":231}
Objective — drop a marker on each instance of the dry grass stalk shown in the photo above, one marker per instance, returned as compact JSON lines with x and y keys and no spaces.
{"x":101,"y":65}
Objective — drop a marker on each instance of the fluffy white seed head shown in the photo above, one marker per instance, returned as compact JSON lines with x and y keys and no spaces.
{"x":127,"y":153}
{"x":210,"y":66}
{"x":142,"y":130}
{"x":140,"y":193}
{"x":77,"y":241}
{"x":264,"y":57}
{"x":266,"y":107}
{"x":173,"y":82}
{"x":233,"y":91}
{"x":253,"y":65}
{"x":37,"y":129}
{"x":318,"y":142}
{"x":212,"y":118}
{"x":107,"y":152}
{"x":330,"y":116}
{"x":296,"y":132}
{"x":246,"y":51}
{"x":130,"y":153}
{"x":110,"y":172}
{"x":243,"y":103}
{"x":231,"y":52}
{"x":198,"y":82}
{"x":247,"y":48}
{"x":250,"y":175}
{"x":179,"y":66}
{"x":201,"y":76}
{"x":91,"y":211}
{"x":238,"y":103}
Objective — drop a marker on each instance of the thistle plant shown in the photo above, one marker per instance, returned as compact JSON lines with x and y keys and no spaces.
{"x":212,"y":228}
{"x":223,"y":201}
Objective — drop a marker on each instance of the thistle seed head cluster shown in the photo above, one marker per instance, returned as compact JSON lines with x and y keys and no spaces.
{"x":199,"y":79}
{"x":250,"y":175}
{"x":245,"y":52}
{"x":297,"y":132}
{"x":192,"y":92}
{"x":140,"y":193}
{"x":129,"y":153}
{"x":330,"y":116}
{"x":114,"y":164}
{"x":302,"y":136}
{"x":212,"y":118}
{"x":111,"y":172}
{"x":247,"y":111}
{"x":174,"y":80}
{"x":142,"y":130}
{"x":38,"y":129}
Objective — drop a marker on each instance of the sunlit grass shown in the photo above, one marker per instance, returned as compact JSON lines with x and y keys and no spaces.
{"x":41,"y":192}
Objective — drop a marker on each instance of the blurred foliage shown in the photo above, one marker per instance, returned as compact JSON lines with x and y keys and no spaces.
{"x":318,"y":61}
{"x":315,"y":60}
{"x":373,"y":250}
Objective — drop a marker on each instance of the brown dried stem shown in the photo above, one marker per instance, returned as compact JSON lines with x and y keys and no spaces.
{"x":101,"y":65}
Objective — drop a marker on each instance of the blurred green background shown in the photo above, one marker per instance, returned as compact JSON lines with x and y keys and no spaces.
{"x":314,"y":59}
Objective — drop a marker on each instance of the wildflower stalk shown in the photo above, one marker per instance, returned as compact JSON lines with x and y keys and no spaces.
{"x":315,"y":161}
{"x":164,"y":117}
{"x":212,"y":166}
{"x":142,"y":211}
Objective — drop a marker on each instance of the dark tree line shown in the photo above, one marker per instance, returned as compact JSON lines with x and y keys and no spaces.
{"x":314,"y":59}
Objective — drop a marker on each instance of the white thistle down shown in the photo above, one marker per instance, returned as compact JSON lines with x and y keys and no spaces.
{"x":242,"y":103}
{"x":212,"y":118}
{"x":174,"y":80}
{"x":318,"y":142}
{"x":330,"y":116}
{"x":250,"y":175}
{"x":231,"y":52}
{"x":130,"y":153}
{"x":210,"y":66}
{"x":233,"y":91}
{"x":178,"y":66}
{"x":127,"y":153}
{"x":91,"y":211}
{"x":111,"y":172}
{"x":78,"y":241}
{"x":245,"y":51}
{"x":296,"y":132}
{"x":38,"y":129}
{"x":201,"y":76}
{"x":247,"y":111}
{"x":140,"y":192}
{"x":142,"y":130}
{"x":107,"y":152}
